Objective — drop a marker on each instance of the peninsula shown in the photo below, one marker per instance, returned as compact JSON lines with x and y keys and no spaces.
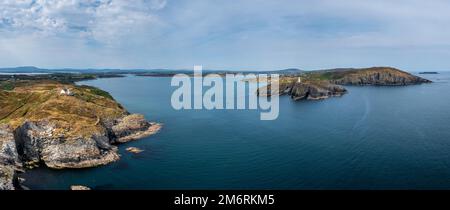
{"x":61,"y":125}
{"x":321,"y":84}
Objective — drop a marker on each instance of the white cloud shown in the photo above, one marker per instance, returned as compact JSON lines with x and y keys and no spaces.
{"x":237,"y":34}
{"x":102,"y":20}
{"x":158,"y":4}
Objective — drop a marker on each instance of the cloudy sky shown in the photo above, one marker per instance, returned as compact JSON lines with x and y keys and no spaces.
{"x":225,"y":34}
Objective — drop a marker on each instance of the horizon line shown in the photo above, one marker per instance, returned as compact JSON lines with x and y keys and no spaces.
{"x":211,"y":69}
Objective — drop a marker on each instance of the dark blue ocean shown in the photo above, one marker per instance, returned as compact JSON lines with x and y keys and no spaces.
{"x":371,"y":138}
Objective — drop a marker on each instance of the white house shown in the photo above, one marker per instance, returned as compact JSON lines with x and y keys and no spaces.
{"x":66,"y":92}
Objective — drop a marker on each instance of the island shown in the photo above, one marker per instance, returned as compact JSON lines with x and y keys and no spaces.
{"x":61,"y":125}
{"x":322,"y":84}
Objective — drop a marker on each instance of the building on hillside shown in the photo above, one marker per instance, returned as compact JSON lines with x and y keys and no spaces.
{"x":66,"y":92}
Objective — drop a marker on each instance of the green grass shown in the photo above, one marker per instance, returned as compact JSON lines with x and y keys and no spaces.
{"x":98,"y":92}
{"x":38,"y":100}
{"x":324,"y":76}
{"x":7,"y":85}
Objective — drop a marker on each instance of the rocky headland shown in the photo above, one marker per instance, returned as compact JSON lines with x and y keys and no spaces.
{"x":303,"y":90}
{"x":41,"y":125}
{"x":379,"y":76}
{"x":314,"y":85}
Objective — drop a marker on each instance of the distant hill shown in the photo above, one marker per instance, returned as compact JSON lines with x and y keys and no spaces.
{"x":344,"y":76}
{"x":143,"y":72}
{"x":384,"y":76}
{"x":23,"y":69}
{"x":322,"y":84}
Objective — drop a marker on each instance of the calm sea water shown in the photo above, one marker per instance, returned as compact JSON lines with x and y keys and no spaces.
{"x":371,"y":138}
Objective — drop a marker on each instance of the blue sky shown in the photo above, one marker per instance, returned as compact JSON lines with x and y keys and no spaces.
{"x":223,"y":34}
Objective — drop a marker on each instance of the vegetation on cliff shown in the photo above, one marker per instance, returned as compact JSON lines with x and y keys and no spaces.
{"x":42,"y":100}
{"x":62,"y":125}
{"x":313,"y":85}
{"x":383,"y":76}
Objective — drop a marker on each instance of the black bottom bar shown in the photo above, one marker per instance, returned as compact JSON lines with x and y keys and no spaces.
{"x":220,"y":199}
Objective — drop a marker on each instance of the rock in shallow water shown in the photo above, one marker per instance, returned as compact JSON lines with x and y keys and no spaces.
{"x":79,"y":187}
{"x":132,"y":127}
{"x":134,"y":150}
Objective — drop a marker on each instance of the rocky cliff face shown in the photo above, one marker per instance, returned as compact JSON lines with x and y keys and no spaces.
{"x":9,"y":159}
{"x":7,"y":178}
{"x":315,"y":91}
{"x":131,"y":127}
{"x":60,"y":132}
{"x":323,"y":84}
{"x":382,"y":76}
{"x":8,"y":149}
{"x":308,"y":90}
{"x":35,"y":143}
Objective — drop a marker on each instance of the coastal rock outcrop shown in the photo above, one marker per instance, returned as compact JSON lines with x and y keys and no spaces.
{"x":9,"y":159}
{"x":134,"y":150}
{"x":41,"y":127}
{"x":7,"y":177}
{"x":315,"y":91}
{"x":38,"y":142}
{"x":8,"y":149}
{"x":314,"y":85}
{"x":79,"y":187}
{"x":309,"y":90}
{"x":381,"y":76}
{"x":132,"y":127}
